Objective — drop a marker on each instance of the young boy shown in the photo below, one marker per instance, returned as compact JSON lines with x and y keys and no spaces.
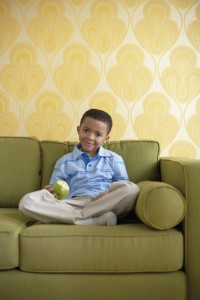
{"x":98,"y":181}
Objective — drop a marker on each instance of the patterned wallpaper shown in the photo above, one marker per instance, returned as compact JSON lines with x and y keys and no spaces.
{"x":137,"y":59}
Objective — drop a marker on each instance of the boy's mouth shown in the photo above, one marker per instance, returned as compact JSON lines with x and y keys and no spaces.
{"x":88,"y":144}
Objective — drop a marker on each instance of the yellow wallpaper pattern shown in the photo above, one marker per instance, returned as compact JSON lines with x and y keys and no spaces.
{"x":137,"y":59}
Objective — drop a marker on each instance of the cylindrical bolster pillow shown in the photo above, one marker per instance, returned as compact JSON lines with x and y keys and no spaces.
{"x":160,"y":205}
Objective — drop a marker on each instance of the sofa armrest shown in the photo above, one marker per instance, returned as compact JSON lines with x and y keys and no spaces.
{"x":184,"y":174}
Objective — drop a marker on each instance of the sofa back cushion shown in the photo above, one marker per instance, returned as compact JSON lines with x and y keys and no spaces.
{"x":19,"y":168}
{"x":140,"y":157}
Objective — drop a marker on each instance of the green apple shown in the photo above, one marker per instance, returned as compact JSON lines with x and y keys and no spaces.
{"x":61,"y":189}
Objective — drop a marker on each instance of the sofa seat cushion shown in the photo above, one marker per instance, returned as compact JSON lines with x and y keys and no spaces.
{"x":11,"y":223}
{"x":100,"y":249}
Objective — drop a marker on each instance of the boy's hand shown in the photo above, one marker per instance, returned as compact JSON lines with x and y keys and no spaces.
{"x":101,"y":195}
{"x":50,"y":189}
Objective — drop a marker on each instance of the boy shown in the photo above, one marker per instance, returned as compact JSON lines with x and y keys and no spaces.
{"x":98,"y":181}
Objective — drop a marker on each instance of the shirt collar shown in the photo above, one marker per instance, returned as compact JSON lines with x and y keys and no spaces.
{"x":77,"y":152}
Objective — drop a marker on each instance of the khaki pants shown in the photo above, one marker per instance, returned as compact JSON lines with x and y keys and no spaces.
{"x":42,"y":206}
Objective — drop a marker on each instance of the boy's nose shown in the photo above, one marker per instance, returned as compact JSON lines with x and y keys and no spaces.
{"x":90,"y":136}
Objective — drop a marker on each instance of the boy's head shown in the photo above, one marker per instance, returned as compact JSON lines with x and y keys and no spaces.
{"x":94,"y":129}
{"x":98,"y":115}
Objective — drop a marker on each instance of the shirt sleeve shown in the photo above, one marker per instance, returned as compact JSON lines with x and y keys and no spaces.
{"x":57,"y":172}
{"x":120,"y":172}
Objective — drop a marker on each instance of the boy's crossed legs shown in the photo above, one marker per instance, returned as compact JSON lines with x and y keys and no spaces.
{"x":42,"y":206}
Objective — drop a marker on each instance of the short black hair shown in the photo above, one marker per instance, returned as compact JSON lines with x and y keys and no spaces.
{"x":99,"y":115}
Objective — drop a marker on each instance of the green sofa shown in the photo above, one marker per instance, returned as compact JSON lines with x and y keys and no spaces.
{"x":152,"y":254}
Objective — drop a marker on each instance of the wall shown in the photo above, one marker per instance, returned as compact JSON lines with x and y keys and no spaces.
{"x":138,"y":60}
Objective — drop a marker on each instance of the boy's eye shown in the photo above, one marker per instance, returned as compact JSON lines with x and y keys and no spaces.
{"x":98,"y":134}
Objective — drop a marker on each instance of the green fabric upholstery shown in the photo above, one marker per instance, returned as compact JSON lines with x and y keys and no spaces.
{"x":101,"y":249}
{"x":184,"y":174}
{"x":20,"y":169}
{"x":11,"y":223}
{"x":140,"y":157}
{"x":160,"y":205}
{"x":139,"y":286}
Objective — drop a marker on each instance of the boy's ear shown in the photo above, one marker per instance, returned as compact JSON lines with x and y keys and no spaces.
{"x":107,"y":138}
{"x":78,"y":129}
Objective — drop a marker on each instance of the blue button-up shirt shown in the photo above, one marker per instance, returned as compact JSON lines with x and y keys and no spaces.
{"x":89,"y":176}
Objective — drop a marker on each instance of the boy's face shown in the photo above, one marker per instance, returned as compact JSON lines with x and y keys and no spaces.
{"x":92,"y":134}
